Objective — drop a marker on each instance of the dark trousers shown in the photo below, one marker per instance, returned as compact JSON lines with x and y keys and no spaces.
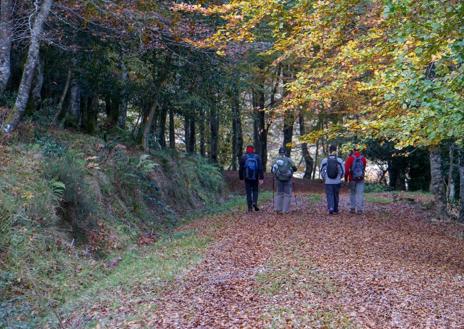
{"x":251,"y":188}
{"x":332,"y":192}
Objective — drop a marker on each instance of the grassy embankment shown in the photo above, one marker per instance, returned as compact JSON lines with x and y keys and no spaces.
{"x":79,"y":216}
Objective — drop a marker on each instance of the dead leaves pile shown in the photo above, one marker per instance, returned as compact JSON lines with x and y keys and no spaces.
{"x":389,"y":268}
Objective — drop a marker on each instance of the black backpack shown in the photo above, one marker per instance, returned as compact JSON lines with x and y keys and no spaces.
{"x":251,"y":167}
{"x":332,"y":167}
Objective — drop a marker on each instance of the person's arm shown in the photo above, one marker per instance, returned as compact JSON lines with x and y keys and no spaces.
{"x":342,"y":167}
{"x":348,"y":162}
{"x":294,"y":168}
{"x":323,"y":171}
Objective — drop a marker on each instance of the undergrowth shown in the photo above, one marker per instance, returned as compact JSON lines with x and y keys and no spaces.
{"x":70,"y":203}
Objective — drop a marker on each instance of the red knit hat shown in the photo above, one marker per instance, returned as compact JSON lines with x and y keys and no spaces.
{"x":250,"y":149}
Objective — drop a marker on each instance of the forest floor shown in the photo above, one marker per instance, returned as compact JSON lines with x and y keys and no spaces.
{"x":392,"y":267}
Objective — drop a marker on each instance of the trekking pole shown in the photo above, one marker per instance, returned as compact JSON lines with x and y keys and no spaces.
{"x":273,"y":206}
{"x":294,"y":193}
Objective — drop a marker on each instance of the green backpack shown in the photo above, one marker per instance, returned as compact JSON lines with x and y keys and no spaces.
{"x":282,"y":169}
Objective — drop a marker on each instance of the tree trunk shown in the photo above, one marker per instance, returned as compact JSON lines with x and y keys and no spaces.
{"x":122,"y":115}
{"x":436,"y":186}
{"x":192,"y":135}
{"x":172,"y":131}
{"x":315,"y":159}
{"x":451,"y":185}
{"x":259,"y":127}
{"x":75,"y":103}
{"x":237,"y":136}
{"x":6,"y":36}
{"x":289,"y":119}
{"x":186,"y":132}
{"x":112,"y":107}
{"x":461,"y":185}
{"x":214,"y":134}
{"x":36,"y":93}
{"x":60,"y":108}
{"x":309,"y":161}
{"x":162,"y":127}
{"x":201,"y":127}
{"x":29,"y":68}
{"x":90,"y":114}
{"x":147,"y":128}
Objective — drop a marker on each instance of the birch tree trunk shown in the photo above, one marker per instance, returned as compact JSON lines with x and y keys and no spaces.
{"x":436,"y":185}
{"x":6,"y":36}
{"x":29,"y":68}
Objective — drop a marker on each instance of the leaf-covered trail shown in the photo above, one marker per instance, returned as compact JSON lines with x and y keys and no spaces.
{"x":388,"y":268}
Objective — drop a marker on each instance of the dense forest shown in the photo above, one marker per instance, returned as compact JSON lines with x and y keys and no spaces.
{"x":207,"y":79}
{"x":200,"y":80}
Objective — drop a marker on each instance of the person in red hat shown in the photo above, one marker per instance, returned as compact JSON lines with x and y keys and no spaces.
{"x":251,"y":171}
{"x":355,"y":168}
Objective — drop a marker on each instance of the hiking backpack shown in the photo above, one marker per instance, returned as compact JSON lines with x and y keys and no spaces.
{"x":332,"y":167}
{"x":282,"y":169}
{"x":251,"y":167}
{"x":357,"y":168}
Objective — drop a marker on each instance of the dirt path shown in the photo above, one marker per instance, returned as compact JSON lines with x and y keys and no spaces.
{"x":389,"y":268}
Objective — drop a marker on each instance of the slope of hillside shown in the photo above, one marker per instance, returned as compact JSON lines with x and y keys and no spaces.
{"x":72,"y":204}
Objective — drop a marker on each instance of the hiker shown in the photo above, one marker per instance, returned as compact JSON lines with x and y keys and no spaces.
{"x":332,"y":172}
{"x":283,"y":169}
{"x":355,"y":168}
{"x":251,"y":170}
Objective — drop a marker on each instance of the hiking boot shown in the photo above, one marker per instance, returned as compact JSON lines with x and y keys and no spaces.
{"x":256,"y":207}
{"x":250,"y":209}
{"x":360,"y":212}
{"x":331,"y":212}
{"x":352,"y":211}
